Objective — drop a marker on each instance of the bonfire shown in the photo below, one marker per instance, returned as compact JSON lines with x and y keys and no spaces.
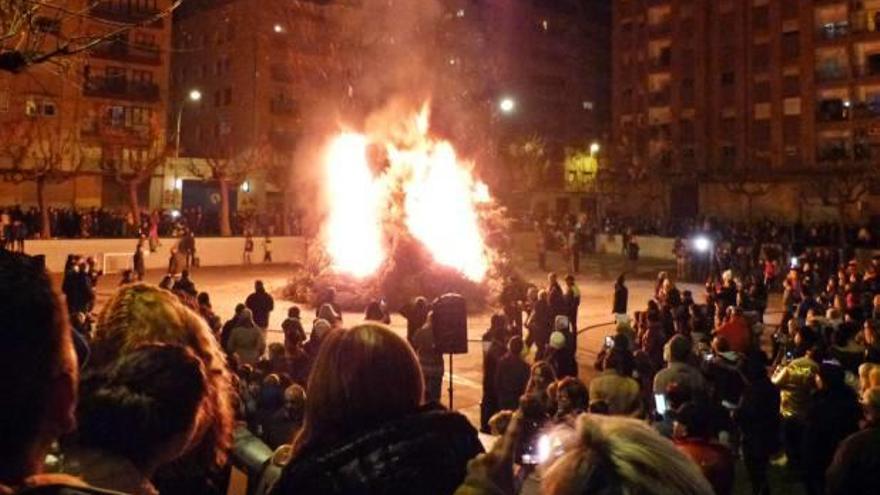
{"x":406,"y":217}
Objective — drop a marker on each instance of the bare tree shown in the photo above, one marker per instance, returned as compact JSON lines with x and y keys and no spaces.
{"x":147,"y":150}
{"x":34,"y":32}
{"x":229,"y":169}
{"x":39,"y":150}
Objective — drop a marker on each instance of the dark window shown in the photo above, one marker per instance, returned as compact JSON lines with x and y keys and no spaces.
{"x":227,"y":96}
{"x":728,"y":78}
{"x":761,"y":17}
{"x":761,"y":134}
{"x":791,"y":86}
{"x":791,"y":129}
{"x":762,"y":91}
{"x":791,"y":46}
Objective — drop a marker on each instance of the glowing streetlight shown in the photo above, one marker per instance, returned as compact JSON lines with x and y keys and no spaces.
{"x":278,"y":28}
{"x":594,"y":148}
{"x":507,"y":104}
{"x":195,"y":95}
{"x":702,"y":244}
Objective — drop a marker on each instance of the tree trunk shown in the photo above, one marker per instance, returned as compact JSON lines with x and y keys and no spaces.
{"x":134,"y":201}
{"x":225,"y":228}
{"x":45,"y":226}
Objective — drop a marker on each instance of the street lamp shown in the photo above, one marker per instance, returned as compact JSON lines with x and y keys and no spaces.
{"x":194,"y":96}
{"x":507,"y":104}
{"x":594,"y":148}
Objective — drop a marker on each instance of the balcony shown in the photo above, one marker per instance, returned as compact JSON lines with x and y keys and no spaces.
{"x":826,"y":75}
{"x":121,"y":89}
{"x":108,"y":131}
{"x":864,"y":22}
{"x":284,"y":107}
{"x":139,"y":54}
{"x":866,"y":110}
{"x":833,"y":110}
{"x":833,"y":31}
{"x":127,"y":13}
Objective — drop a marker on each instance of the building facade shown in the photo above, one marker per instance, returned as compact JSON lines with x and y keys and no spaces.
{"x":710,"y":95}
{"x":99,"y":112}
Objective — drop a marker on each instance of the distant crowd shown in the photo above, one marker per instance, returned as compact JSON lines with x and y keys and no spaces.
{"x":19,"y":223}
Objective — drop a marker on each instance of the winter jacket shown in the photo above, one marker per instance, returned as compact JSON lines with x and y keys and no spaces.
{"x":856,"y":464}
{"x":248,"y":342}
{"x":261,"y":304}
{"x":426,"y":453}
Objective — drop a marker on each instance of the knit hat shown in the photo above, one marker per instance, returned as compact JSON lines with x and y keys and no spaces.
{"x":557,"y":340}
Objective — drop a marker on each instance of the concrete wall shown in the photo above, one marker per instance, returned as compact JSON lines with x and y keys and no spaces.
{"x":649,"y":247}
{"x":115,"y":254}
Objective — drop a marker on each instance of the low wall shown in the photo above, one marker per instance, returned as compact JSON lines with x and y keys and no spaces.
{"x":649,"y":246}
{"x":115,"y":254}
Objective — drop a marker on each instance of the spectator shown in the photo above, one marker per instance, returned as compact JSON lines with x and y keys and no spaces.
{"x":621,"y":296}
{"x":854,"y":468}
{"x":226,"y":329}
{"x":267,"y":249}
{"x":136,"y":415}
{"x":693,"y":436}
{"x":602,"y":458}
{"x":40,"y":374}
{"x":757,"y":416}
{"x":678,"y":370}
{"x":572,"y":399}
{"x":349,"y":426}
{"x":248,"y":250}
{"x":374,"y":312}
{"x":494,"y":349}
{"x":187,"y":247}
{"x":796,"y":381}
{"x":207,"y":313}
{"x":416,"y":314}
{"x":430,"y":360}
{"x":185,"y":285}
{"x":540,"y":323}
{"x":555,"y":297}
{"x":871,"y":337}
{"x":247,"y":340}
{"x":142,"y":314}
{"x":292,"y":327}
{"x":540,"y":380}
{"x":261,"y":304}
{"x":572,"y":303}
{"x":736,"y":332}
{"x":138,"y":266}
{"x":511,"y":375}
{"x":833,"y":415}
{"x":281,"y":428}
{"x":616,"y":387}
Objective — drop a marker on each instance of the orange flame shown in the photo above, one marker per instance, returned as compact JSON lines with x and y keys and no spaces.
{"x":439,"y":206}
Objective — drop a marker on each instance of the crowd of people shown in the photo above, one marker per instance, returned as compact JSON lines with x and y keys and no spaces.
{"x":19,"y":223}
{"x":156,"y":393}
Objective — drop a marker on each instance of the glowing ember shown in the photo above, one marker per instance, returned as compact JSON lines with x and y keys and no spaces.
{"x":439,"y":201}
{"x":354,"y":239}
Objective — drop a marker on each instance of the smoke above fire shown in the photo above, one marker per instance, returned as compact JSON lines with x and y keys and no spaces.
{"x":416,"y":183}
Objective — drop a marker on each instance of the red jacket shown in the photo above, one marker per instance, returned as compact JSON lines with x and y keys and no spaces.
{"x":737,"y":333}
{"x":715,"y":462}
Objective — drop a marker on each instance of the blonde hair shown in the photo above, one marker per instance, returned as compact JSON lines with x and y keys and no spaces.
{"x":140,"y":314}
{"x":621,"y":455}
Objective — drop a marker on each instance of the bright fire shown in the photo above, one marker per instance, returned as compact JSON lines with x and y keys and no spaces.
{"x":439,"y":201}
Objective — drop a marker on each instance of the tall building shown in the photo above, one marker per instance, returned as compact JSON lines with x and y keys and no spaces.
{"x":554,"y":62}
{"x":98,"y":111}
{"x":715,"y":94}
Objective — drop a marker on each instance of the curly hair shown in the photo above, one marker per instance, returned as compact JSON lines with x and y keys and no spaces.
{"x":140,"y":314}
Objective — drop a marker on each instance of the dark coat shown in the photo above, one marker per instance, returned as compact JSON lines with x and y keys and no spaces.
{"x":835,"y":415}
{"x":856,"y":464}
{"x":426,"y":453}
{"x":557,"y":300}
{"x":511,"y":377}
{"x":621,"y":298}
{"x":261,"y":304}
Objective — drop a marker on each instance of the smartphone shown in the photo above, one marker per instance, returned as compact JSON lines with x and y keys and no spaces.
{"x":789,"y":355}
{"x":538,"y":452}
{"x":707,"y":357}
{"x":609,"y":341}
{"x":660,"y":404}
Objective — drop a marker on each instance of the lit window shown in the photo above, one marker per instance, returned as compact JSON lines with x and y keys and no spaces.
{"x":588,"y":105}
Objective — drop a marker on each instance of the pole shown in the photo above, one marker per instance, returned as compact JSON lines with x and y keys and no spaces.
{"x":450,"y":382}
{"x":177,"y":134}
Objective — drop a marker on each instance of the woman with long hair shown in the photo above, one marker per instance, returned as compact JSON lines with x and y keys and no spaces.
{"x":141,"y":314}
{"x":365,"y":430}
{"x":135,"y":416}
